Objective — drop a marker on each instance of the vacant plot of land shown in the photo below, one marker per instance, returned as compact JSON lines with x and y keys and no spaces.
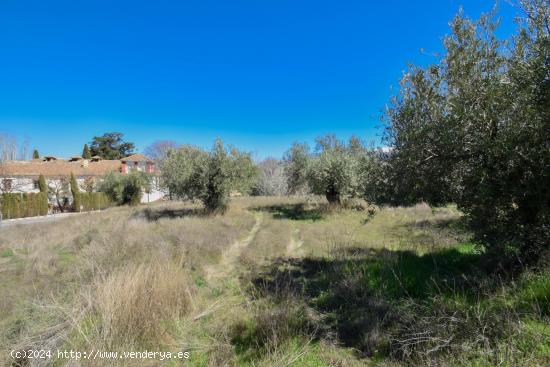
{"x":275,"y":281}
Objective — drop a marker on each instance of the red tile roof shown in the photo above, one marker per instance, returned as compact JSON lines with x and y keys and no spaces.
{"x":138,"y":157}
{"x":58,"y":168}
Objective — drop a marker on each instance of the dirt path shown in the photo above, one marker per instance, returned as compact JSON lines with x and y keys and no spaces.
{"x":216,"y":273}
{"x":231,"y":255}
{"x":294,"y":244}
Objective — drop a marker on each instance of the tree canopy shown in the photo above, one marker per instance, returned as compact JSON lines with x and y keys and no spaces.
{"x":111,"y":146}
{"x":332,"y":169}
{"x":474,"y":129}
{"x":210,"y":176}
{"x":159,"y":150}
{"x":86,"y":154}
{"x":125,"y":188}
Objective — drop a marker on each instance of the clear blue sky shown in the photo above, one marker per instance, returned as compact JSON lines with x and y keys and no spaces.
{"x":260,"y":74}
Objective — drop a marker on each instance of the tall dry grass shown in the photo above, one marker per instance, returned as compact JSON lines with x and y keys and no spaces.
{"x":112,"y":278}
{"x":136,"y":304}
{"x":333,"y":286}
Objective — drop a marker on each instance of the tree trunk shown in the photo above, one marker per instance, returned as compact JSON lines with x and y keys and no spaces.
{"x":333,"y":197}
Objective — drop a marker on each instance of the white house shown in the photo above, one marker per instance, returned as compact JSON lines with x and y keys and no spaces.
{"x":22,"y":176}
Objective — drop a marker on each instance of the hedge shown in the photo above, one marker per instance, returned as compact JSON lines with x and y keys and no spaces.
{"x":95,"y":201}
{"x":20,"y":205}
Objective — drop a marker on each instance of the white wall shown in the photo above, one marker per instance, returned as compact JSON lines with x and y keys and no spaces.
{"x":26,"y":185}
{"x":19,"y":184}
{"x":154,"y":195}
{"x":131,"y":166}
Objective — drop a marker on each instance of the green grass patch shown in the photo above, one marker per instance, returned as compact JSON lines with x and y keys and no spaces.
{"x":533,"y":293}
{"x":8,"y":252}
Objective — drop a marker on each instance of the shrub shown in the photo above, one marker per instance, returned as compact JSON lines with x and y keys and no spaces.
{"x":19,"y":205}
{"x":95,"y":201}
{"x":125,"y":188}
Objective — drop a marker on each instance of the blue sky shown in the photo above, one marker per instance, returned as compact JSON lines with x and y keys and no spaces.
{"x":260,"y":74}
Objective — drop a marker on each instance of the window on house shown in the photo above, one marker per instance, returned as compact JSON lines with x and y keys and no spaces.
{"x":35,"y":184}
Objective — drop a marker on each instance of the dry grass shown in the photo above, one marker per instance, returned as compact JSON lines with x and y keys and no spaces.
{"x":419,"y":228}
{"x":270,"y":242}
{"x":332,"y":281}
{"x":135,"y":303}
{"x":90,"y":270}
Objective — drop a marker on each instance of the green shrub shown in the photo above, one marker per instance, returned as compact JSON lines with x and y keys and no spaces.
{"x":125,"y":189}
{"x":20,"y":205}
{"x":95,"y":201}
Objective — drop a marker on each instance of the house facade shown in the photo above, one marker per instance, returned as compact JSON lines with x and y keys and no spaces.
{"x":22,"y":176}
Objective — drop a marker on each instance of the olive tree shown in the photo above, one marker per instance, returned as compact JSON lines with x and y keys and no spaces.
{"x":210,"y":176}
{"x":475,"y":129}
{"x":332,"y":169}
{"x":296,"y":164}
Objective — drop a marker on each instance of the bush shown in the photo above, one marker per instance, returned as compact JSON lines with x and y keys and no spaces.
{"x":125,"y":189}
{"x":95,"y":201}
{"x":19,"y":205}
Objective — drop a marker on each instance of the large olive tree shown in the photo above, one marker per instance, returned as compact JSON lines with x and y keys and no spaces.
{"x":475,"y":129}
{"x":210,"y":176}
